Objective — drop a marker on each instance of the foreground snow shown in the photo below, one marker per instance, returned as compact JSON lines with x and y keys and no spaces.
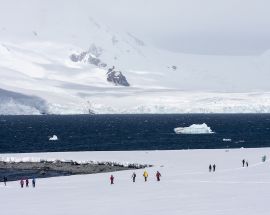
{"x":186,"y":186}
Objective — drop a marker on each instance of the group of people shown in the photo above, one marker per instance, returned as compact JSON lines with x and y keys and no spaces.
{"x":22,"y":182}
{"x":145,"y":175}
{"x":26,"y":182}
{"x":244,"y":163}
{"x":212,"y":167}
{"x":133,"y":176}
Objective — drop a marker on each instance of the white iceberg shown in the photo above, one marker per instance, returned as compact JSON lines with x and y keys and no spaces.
{"x":53,"y":138}
{"x":194,"y":129}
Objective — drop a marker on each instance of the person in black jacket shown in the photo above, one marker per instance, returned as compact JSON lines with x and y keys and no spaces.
{"x":133,"y":177}
{"x":34,"y":182}
{"x":243,"y":162}
{"x":5,"y":180}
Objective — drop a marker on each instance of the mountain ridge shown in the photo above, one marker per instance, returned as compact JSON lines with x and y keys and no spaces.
{"x":72,"y":75}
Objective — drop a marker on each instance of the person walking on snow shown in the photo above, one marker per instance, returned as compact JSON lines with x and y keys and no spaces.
{"x":210,"y":168}
{"x":111,"y":178}
{"x":34,"y":182}
{"x":22,"y":183}
{"x":243,"y":162}
{"x":158,"y":175}
{"x":145,"y":175}
{"x":133,"y":177}
{"x":246,"y":163}
{"x":27,"y":182}
{"x":214,"y":167}
{"x":5,"y":180}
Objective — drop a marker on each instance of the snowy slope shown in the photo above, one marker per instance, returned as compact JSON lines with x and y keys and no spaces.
{"x":36,"y":60}
{"x":16,"y":103}
{"x":186,"y":186}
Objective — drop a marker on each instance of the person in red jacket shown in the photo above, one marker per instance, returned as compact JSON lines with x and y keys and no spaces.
{"x":158,"y":175}
{"x":22,"y":183}
{"x":112,"y":179}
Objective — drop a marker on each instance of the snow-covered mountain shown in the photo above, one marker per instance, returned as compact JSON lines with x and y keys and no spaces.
{"x":58,"y":63}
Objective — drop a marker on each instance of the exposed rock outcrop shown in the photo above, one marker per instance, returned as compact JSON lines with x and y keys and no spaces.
{"x":174,"y":67}
{"x":91,"y":56}
{"x":117,"y":77}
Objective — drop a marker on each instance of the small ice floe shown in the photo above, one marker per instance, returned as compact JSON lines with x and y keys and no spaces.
{"x":227,"y":140}
{"x":194,"y":129}
{"x":240,"y":141}
{"x":53,"y":138}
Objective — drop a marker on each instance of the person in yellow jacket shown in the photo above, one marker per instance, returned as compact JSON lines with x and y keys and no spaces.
{"x":145,"y":175}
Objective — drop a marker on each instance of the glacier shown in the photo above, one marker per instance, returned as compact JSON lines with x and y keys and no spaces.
{"x":17,"y":103}
{"x":68,"y":71}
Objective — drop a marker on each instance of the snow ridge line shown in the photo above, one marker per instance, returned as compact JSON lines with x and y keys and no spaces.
{"x":54,"y":160}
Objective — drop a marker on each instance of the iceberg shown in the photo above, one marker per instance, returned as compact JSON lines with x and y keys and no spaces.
{"x":227,"y":140}
{"x":53,"y":138}
{"x":194,"y":129}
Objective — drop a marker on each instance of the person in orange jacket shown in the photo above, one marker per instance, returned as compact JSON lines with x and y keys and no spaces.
{"x":145,"y":175}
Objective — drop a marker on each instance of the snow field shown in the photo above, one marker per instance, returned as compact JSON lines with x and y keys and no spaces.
{"x":186,"y":186}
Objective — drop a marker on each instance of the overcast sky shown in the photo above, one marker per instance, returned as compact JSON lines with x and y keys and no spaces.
{"x":197,"y":26}
{"x":234,"y":27}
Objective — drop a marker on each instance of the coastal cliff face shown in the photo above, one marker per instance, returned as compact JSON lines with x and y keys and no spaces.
{"x":16,"y":103}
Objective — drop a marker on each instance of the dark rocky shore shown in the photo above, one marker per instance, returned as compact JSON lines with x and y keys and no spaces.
{"x":17,"y":170}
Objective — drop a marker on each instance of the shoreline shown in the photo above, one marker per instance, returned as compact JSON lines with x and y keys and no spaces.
{"x":45,"y":168}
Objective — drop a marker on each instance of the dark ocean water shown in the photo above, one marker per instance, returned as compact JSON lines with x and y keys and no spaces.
{"x":130,"y":132}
